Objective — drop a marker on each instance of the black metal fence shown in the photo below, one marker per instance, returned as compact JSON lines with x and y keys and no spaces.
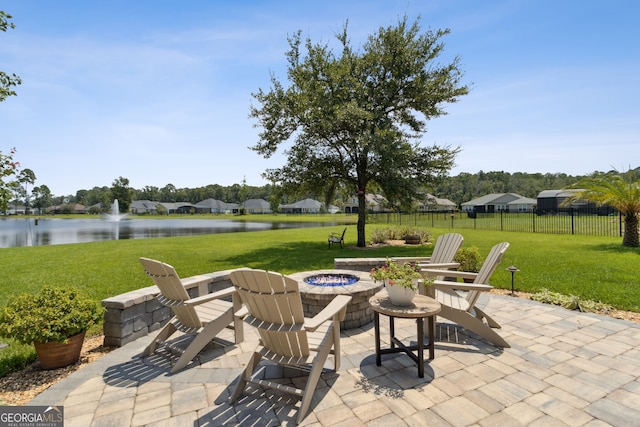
{"x":568,"y":221}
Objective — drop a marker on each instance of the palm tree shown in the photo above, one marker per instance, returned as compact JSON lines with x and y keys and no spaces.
{"x":617,"y":192}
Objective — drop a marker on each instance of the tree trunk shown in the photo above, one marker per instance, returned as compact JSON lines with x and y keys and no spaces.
{"x":630,"y":237}
{"x":362,"y":217}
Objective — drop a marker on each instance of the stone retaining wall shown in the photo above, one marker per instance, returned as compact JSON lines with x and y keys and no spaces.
{"x":134,"y":314}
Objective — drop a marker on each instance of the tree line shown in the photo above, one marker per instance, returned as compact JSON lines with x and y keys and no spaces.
{"x":459,"y":189}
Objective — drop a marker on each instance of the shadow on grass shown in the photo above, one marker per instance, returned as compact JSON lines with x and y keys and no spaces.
{"x":614,"y":248}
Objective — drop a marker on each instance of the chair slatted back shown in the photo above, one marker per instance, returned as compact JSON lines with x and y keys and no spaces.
{"x":275,"y":307}
{"x":488,"y":267}
{"x":172,"y":292}
{"x":446,"y":247}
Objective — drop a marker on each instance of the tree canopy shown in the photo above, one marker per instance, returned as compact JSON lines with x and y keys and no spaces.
{"x":7,"y":81}
{"x":8,"y":167}
{"x":356,"y":117}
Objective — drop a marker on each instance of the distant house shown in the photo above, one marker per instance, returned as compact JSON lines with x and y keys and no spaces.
{"x":499,"y":202}
{"x":373,"y":202}
{"x":523,"y":204}
{"x":16,"y":210}
{"x":551,"y":202}
{"x":75,"y":208}
{"x":140,"y":207}
{"x":178,"y":207}
{"x":432,"y":203}
{"x":305,"y":206}
{"x":216,"y":206}
{"x":256,"y":206}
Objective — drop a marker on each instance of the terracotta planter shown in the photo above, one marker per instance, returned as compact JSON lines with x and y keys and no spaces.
{"x":53,"y":355}
{"x":399,"y":295}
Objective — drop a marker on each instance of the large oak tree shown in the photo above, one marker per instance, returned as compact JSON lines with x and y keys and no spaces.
{"x":354,"y":118}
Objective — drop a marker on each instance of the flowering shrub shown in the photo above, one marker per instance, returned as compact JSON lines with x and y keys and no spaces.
{"x":403,"y":275}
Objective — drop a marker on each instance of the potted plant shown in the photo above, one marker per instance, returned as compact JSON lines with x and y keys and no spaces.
{"x":400,"y":281}
{"x":55,"y":320}
{"x":469,"y":260}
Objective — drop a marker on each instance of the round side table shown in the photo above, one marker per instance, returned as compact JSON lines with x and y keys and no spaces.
{"x":421,"y":308}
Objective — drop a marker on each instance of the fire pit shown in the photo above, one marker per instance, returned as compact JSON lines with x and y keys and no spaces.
{"x":331,"y":279}
{"x":319,"y":287}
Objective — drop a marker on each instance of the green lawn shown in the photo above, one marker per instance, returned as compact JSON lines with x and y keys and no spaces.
{"x":596,"y":268}
{"x":593,"y":268}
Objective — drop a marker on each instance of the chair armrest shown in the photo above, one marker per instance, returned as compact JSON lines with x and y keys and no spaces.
{"x":224,"y":293}
{"x":462,"y":286}
{"x":449,"y":273}
{"x":337,"y":306}
{"x":242,"y":313}
{"x":438,"y":266}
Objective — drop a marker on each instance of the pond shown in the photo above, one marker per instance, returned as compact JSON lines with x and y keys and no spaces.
{"x":16,"y":232}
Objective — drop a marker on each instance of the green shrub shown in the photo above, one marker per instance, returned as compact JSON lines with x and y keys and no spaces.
{"x":52,"y":315}
{"x":469,"y":259}
{"x":570,"y":302}
{"x":381,"y":235}
{"x":16,"y":356}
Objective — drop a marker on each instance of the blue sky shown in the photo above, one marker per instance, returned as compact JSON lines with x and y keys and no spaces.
{"x":159,"y":91}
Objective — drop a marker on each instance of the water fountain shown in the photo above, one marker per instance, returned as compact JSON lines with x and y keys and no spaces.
{"x":115,"y":215}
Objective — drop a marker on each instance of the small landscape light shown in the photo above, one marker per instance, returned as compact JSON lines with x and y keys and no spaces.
{"x":513,"y":269}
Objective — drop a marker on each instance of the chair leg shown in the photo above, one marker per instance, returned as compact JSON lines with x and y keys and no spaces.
{"x":482,"y":315}
{"x":336,"y":345}
{"x":203,"y":338}
{"x":314,"y":376}
{"x":164,"y":334}
{"x":472,"y":323}
{"x":246,"y":374}
{"x":238,"y":322}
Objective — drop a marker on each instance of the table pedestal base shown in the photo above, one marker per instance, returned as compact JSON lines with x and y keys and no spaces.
{"x":407,"y":349}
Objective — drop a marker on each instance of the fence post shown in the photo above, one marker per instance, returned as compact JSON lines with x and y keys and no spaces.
{"x":620,"y":223}
{"x":534,"y":219}
{"x":572,"y":221}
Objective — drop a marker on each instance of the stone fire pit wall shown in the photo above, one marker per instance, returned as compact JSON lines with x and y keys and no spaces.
{"x":134,"y":314}
{"x":315,"y":298}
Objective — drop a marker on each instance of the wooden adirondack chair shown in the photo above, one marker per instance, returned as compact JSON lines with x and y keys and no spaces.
{"x":443,"y":252}
{"x":286,"y":337}
{"x":458,"y":300}
{"x":204,"y":316}
{"x":442,"y":256}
